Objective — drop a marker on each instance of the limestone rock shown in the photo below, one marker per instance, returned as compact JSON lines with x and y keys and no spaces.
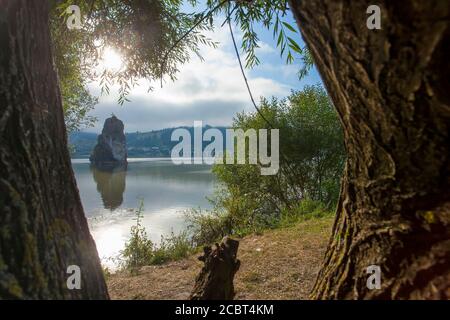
{"x":111,"y":149}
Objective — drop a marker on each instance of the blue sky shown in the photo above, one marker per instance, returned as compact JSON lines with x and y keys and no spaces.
{"x":212,"y":91}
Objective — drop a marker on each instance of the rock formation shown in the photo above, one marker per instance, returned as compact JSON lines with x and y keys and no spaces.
{"x":111,"y":149}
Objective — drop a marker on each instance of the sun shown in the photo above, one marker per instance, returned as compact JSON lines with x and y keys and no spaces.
{"x":111,"y":60}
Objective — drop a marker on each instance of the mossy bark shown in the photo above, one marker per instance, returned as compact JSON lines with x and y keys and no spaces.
{"x":390,"y":88}
{"x":43,"y":229}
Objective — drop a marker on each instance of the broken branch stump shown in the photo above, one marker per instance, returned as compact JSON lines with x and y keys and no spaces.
{"x":215,"y":281}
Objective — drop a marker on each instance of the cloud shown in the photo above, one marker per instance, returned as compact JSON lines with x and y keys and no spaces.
{"x":212,"y":91}
{"x":143,"y":115}
{"x":265,"y":48}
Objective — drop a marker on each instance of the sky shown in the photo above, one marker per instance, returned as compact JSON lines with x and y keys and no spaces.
{"x":211,"y":91}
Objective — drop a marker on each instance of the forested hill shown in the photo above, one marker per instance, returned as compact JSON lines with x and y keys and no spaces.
{"x":139,"y":144}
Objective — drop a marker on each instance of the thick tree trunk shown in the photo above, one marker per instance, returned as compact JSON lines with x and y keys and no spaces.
{"x":215,"y":280}
{"x":43,"y":229}
{"x":390,"y":88}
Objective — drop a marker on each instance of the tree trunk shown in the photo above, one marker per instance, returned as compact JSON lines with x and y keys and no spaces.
{"x":215,"y":281}
{"x":390,"y":88}
{"x":43,"y":229}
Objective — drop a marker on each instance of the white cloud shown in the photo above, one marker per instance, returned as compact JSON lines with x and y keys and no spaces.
{"x":265,"y":48}
{"x":211,"y":91}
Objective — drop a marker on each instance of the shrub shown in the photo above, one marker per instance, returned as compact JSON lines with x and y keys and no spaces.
{"x":311,"y":162}
{"x":141,"y":251}
{"x":172,"y":248}
{"x":138,"y":249}
{"x":306,"y":209}
{"x":208,"y":227}
{"x":312,"y":155}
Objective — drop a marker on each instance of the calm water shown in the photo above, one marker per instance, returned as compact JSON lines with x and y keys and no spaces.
{"x":110,"y":199}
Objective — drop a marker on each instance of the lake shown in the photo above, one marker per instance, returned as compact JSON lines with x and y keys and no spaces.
{"x":111,"y":198}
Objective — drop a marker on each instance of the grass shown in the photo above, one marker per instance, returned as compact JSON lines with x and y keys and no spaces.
{"x":140,"y":251}
{"x":281,"y":263}
{"x":205,"y":229}
{"x":307,"y":209}
{"x":209,"y":227}
{"x":172,"y":248}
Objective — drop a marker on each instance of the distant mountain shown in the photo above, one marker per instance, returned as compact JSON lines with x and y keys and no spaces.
{"x":82,"y":143}
{"x":139,"y":144}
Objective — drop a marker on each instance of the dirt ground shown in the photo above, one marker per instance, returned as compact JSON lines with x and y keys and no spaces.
{"x":279,"y":264}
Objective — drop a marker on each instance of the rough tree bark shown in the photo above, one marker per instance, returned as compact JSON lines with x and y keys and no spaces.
{"x":215,"y":280}
{"x":43,"y":229}
{"x":390,"y":88}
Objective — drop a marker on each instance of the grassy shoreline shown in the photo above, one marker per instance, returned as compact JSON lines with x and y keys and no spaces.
{"x":203,"y":229}
{"x":280,"y":263}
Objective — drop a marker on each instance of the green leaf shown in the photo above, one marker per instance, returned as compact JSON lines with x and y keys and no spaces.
{"x":280,"y":39}
{"x":294,"y":45}
{"x":291,"y":28}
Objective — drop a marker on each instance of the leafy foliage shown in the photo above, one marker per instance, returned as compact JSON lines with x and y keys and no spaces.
{"x":272,"y":15}
{"x":138,"y":249}
{"x":154,"y":37}
{"x":311,"y":142}
{"x":141,"y":31}
{"x":141,"y":251}
{"x":77,"y":101}
{"x":172,"y":248}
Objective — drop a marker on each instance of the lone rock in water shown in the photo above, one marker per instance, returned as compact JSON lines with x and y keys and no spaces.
{"x":111,"y":149}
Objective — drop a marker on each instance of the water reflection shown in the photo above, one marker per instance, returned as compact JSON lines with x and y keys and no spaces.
{"x":110,"y":198}
{"x":110,"y":185}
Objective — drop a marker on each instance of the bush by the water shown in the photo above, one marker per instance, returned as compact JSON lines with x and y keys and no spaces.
{"x":141,"y":251}
{"x":211,"y":226}
{"x":312,"y":155}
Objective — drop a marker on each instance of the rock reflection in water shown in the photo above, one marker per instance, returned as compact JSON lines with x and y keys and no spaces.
{"x":110,"y":185}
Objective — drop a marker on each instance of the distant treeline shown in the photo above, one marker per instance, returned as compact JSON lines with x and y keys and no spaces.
{"x":139,"y":144}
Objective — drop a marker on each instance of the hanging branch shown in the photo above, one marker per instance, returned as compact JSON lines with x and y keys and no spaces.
{"x":228,"y":20}
{"x":243,"y":73}
{"x":207,"y":15}
{"x":283,"y":156}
